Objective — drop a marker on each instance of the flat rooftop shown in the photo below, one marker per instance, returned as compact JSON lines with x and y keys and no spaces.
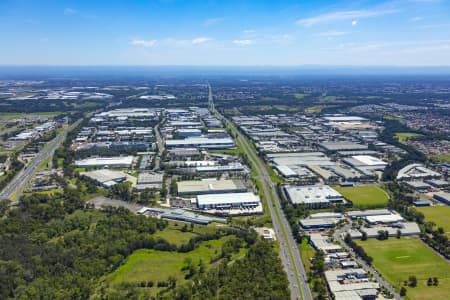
{"x":227,"y":198}
{"x":105,"y":161}
{"x":208,"y":186}
{"x":299,"y":194}
{"x":340,"y":146}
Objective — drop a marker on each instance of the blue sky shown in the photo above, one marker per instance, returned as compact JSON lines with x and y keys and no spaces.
{"x":226,"y":32}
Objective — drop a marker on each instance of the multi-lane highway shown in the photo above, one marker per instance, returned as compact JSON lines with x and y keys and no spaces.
{"x":290,"y":255}
{"x":14,"y":188}
{"x":160,"y":143}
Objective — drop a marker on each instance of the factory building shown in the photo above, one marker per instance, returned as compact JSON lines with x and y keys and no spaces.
{"x":106,"y":178}
{"x":442,"y":197}
{"x":228,"y":200}
{"x":321,"y":220}
{"x":351,"y":284}
{"x":105,"y":162}
{"x":210,"y":186}
{"x":201,"y":142}
{"x":189,"y":132}
{"x":314,"y":196}
{"x":148,"y":180}
{"x":416,"y":171}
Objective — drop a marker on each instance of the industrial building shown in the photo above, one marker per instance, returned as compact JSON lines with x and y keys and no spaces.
{"x":321,"y":220}
{"x":180,"y":215}
{"x":341,"y":146}
{"x":314,"y":196}
{"x":201,"y":142}
{"x":210,"y":186}
{"x":106,"y":162}
{"x":365,"y":161}
{"x":106,"y":178}
{"x":147,"y":180}
{"x":351,"y":284}
{"x":228,"y":200}
{"x":189,"y":132}
{"x":416,"y":171}
{"x":442,"y":197}
{"x":232,"y":167}
{"x":360,"y":214}
{"x":405,"y":228}
{"x":384,"y":219}
{"x":322,"y":242}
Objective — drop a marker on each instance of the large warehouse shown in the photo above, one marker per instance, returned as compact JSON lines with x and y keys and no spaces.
{"x":111,"y":162}
{"x":416,"y":171}
{"x":210,"y":186}
{"x":201,"y":142}
{"x":106,"y":178}
{"x":228,"y":200}
{"x":313,"y":195}
{"x":147,"y":180}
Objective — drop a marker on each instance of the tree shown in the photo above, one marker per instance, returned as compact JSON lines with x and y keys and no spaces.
{"x":399,"y":233}
{"x":412,"y":281}
{"x":403,"y":291}
{"x":435,"y":281}
{"x":429,"y":281}
{"x":363,"y":236}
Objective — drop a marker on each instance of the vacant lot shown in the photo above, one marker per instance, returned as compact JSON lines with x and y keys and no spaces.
{"x":404,"y":136}
{"x":153,"y":265}
{"x":397,"y":259}
{"x":174,"y":232}
{"x":437,"y":214}
{"x":364,"y":196}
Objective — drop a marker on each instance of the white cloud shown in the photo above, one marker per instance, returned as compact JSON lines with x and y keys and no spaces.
{"x":200,"y":40}
{"x":213,"y":21}
{"x":418,"y":18}
{"x":354,"y":22}
{"x":332,"y":33}
{"x":243,"y":42}
{"x":344,"y":15}
{"x":249,"y":31}
{"x":143,"y":43}
{"x":70,"y":11}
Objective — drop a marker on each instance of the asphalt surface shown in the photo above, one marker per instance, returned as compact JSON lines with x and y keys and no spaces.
{"x":338,"y":237}
{"x":160,"y":143}
{"x":289,"y":254}
{"x":16,"y":185}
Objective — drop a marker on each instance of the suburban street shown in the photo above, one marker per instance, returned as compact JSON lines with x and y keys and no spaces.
{"x":338,"y":237}
{"x":289,"y":254}
{"x":13,"y":190}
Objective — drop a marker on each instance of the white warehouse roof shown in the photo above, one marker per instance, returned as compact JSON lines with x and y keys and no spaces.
{"x":235,"y":198}
{"x":369,"y":160}
{"x":105,"y":161}
{"x":312,"y":194}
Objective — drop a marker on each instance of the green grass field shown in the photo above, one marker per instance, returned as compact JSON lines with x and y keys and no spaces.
{"x":437,"y":214}
{"x":149,"y":264}
{"x":364,"y":196}
{"x":174,"y":235}
{"x":237,"y":151}
{"x":397,"y":259}
{"x":444,"y":157}
{"x":405,"y":136}
{"x":306,"y":252}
